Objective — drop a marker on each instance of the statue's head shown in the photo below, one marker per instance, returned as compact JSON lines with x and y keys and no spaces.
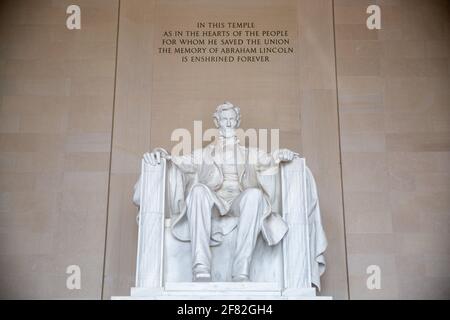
{"x":227,"y":119}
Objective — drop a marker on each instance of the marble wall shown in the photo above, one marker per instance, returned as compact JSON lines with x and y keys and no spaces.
{"x":395,"y":136}
{"x":78,"y":109}
{"x":56,"y":108}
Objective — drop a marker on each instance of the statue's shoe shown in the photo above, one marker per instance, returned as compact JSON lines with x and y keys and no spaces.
{"x":202,"y":277}
{"x":201,"y":273}
{"x":241,"y":278}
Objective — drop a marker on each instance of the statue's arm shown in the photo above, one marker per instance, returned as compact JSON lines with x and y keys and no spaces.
{"x":185,"y":163}
{"x":268,"y":163}
{"x":284,"y":155}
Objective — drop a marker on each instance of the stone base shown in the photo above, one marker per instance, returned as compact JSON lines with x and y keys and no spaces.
{"x":221,"y":291}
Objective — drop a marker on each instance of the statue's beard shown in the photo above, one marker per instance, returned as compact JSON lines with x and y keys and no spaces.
{"x":227,"y":132}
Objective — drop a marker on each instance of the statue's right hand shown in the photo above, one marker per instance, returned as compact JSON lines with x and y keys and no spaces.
{"x":154,"y":158}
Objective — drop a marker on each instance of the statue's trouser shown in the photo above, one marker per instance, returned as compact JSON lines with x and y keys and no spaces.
{"x":249,"y":205}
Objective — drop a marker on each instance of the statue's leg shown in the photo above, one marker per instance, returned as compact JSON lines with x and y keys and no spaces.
{"x":199,"y":207}
{"x":251,"y":207}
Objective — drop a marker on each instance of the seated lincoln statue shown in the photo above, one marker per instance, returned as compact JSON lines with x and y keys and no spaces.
{"x":227,"y":187}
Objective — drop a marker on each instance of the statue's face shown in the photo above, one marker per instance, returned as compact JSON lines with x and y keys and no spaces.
{"x":227,"y":123}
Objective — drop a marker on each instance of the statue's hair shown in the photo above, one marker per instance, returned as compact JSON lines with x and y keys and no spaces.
{"x":227,"y":106}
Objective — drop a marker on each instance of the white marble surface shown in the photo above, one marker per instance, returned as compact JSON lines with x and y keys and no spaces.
{"x":222,"y":286}
{"x":285,"y":264}
{"x":221,"y":296}
{"x":296,"y":257}
{"x":222,"y":291}
{"x":151,"y":226}
{"x":266,"y":265}
{"x":287,"y":250}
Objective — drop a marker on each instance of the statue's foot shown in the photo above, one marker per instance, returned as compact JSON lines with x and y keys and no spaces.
{"x":202,"y":277}
{"x":201,"y":273}
{"x":241,"y":278}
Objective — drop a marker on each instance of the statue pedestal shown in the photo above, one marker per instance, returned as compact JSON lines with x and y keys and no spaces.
{"x":221,"y":291}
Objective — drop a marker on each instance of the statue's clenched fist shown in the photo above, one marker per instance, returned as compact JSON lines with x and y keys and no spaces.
{"x":154,"y":158}
{"x":285,"y":155}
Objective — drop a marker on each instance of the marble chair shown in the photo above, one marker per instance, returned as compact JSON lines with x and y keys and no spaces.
{"x":290,"y":269}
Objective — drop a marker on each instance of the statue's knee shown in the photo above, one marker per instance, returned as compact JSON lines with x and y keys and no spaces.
{"x":198,"y":190}
{"x":254,"y":193}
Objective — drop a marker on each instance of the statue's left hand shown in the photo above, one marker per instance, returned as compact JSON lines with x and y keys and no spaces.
{"x":286,"y":155}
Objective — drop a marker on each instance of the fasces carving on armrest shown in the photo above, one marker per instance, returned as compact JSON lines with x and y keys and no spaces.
{"x":151,"y":225}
